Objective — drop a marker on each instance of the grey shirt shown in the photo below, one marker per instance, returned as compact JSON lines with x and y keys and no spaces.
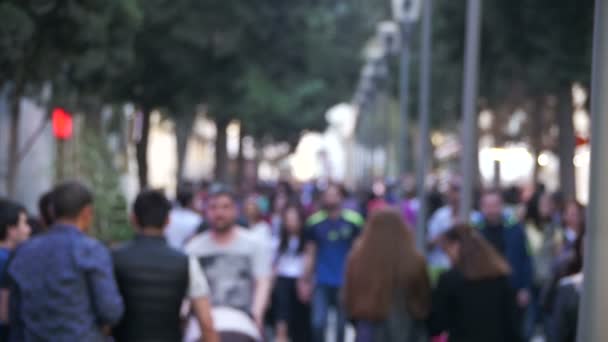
{"x":231,"y":269}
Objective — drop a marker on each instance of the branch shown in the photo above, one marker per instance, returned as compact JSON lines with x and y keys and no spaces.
{"x":32,"y":138}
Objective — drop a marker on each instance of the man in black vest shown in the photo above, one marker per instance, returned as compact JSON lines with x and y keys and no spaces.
{"x":154,"y":279}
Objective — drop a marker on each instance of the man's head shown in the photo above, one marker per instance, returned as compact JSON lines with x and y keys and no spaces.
{"x":45,"y":209}
{"x":14,"y":228}
{"x":452,"y":194}
{"x":151,"y":210}
{"x":185,"y":195}
{"x":222,"y":210}
{"x":332,"y":197}
{"x":492,"y":206}
{"x":252,"y":209}
{"x":73,"y":203}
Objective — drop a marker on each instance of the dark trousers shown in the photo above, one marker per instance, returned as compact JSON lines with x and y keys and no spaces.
{"x":324,"y":298}
{"x":288,"y":308}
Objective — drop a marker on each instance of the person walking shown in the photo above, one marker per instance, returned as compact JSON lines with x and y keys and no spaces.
{"x":440,"y":222}
{"x":508,"y":237}
{"x":474,"y":301}
{"x":257,"y":226}
{"x":568,"y":297}
{"x":292,"y":310}
{"x":154,"y":279}
{"x":63,"y":281}
{"x":184,"y":219}
{"x":238,"y":269}
{"x":387,"y":290}
{"x":330,"y":234}
{"x":14,"y":230}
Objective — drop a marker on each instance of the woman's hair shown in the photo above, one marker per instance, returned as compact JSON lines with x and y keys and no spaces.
{"x":284,"y":243}
{"x":383,"y":261}
{"x":478,"y":258}
{"x":575,"y":264}
{"x":533,"y":213}
{"x":581,"y":211}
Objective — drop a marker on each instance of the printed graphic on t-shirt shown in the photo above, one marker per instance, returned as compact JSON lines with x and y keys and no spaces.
{"x":230,"y":279}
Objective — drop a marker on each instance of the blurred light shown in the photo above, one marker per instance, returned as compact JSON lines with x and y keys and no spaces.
{"x":498,"y":154}
{"x":579,"y":95}
{"x":486,"y":118}
{"x":62,"y":124}
{"x":437,"y":139}
{"x":543,"y":159}
{"x":578,"y":160}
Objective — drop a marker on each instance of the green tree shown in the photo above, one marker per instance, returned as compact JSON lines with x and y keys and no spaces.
{"x":51,"y":42}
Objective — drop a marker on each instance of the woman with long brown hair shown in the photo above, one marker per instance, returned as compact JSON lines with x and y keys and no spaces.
{"x":387,"y":291}
{"x":474,"y":300}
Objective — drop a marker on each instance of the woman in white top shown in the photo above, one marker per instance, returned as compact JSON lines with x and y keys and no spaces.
{"x":292,"y":309}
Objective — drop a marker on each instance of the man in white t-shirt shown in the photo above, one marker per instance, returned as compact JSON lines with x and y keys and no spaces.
{"x":184,"y":220}
{"x":238,"y":269}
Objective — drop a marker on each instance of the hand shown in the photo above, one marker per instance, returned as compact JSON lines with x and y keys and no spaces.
{"x":304,"y":289}
{"x":523,"y":298}
{"x":259,"y":321}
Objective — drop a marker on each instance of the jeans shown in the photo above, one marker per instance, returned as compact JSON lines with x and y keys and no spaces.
{"x":325,"y":297}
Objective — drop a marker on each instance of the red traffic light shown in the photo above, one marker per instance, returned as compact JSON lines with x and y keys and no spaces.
{"x":62,"y":124}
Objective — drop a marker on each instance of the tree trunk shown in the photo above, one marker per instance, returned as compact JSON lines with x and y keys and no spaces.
{"x":221,"y":152}
{"x":13,"y":148}
{"x":183,"y":129}
{"x":142,"y":149}
{"x":566,"y":143}
{"x":14,"y":139}
{"x":240,"y":159}
{"x":536,"y":113}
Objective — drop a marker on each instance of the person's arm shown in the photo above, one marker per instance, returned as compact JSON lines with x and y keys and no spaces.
{"x":524,"y":294}
{"x":4,"y":298}
{"x":310,"y":258}
{"x":202,"y":311}
{"x":305,"y":283}
{"x":198,"y":293}
{"x":95,"y":261}
{"x":262,"y":270}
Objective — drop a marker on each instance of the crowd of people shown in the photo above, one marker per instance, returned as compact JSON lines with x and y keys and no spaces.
{"x":273,"y":263}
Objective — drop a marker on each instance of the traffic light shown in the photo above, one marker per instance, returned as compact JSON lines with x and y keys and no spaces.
{"x":62,"y":124}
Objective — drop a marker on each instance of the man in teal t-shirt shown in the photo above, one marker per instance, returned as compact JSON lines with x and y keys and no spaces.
{"x":329,"y":236}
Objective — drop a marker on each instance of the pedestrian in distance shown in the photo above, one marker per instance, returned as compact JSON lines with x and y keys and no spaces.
{"x":474,"y":300}
{"x":184,"y":219}
{"x":291,"y":303}
{"x":387,"y":291}
{"x":14,"y":230}
{"x":154,"y":279}
{"x":508,"y":237}
{"x":63,"y":286}
{"x":330,"y":234}
{"x":257,"y":226}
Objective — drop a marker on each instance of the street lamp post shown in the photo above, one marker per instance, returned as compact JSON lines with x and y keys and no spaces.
{"x":423,"y":121}
{"x":469,"y":108}
{"x":406,"y":13}
{"x":594,"y":300}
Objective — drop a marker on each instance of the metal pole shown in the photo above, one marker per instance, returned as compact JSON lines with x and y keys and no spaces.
{"x":423,"y":121}
{"x":469,"y":108}
{"x":404,"y":97}
{"x":594,"y":303}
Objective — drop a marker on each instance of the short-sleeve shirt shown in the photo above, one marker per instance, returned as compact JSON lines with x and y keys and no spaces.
{"x":231,"y":269}
{"x":333,"y":239}
{"x":198,"y":287}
